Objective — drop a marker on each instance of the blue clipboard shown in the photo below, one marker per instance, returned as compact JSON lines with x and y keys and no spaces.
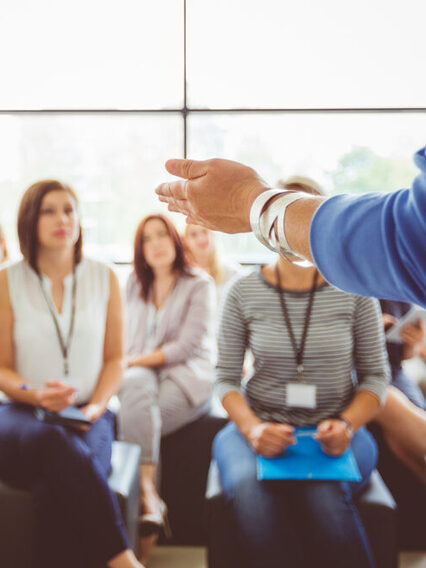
{"x":306,"y":460}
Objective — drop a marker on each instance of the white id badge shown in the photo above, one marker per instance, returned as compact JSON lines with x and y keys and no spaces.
{"x":301,"y":395}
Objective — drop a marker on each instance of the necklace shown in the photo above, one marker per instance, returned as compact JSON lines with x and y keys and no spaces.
{"x":64,"y":343}
{"x":298,"y":350}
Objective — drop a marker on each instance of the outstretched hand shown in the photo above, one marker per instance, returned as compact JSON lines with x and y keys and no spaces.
{"x":217,"y":193}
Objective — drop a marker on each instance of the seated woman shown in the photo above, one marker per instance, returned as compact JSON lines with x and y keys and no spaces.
{"x":202,"y":252}
{"x":402,"y":421}
{"x":170,"y":349}
{"x":61,"y":344}
{"x":298,"y":327}
{"x":412,"y":336}
{"x":291,"y":317}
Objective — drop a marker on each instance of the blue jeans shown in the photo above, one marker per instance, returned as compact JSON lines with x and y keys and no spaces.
{"x":78,"y":522}
{"x":292,"y":524}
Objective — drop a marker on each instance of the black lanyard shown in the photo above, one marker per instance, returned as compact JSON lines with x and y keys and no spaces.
{"x":65,"y":346}
{"x":298,"y":351}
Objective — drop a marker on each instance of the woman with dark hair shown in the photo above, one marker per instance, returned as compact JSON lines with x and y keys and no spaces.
{"x":170,"y":348}
{"x":61,"y":345}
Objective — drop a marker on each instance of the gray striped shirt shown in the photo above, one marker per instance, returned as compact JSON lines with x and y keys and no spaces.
{"x":344,"y":351}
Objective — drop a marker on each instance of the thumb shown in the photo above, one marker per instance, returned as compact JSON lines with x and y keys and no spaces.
{"x":324,"y":426}
{"x":188,"y":169}
{"x":286,"y":428}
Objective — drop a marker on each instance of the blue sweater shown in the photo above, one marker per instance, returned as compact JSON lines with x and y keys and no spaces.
{"x":375,"y":244}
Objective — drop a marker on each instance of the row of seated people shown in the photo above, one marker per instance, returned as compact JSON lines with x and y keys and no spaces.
{"x":61,"y":344}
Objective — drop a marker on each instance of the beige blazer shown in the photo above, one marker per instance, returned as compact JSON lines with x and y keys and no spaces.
{"x":185,"y":331}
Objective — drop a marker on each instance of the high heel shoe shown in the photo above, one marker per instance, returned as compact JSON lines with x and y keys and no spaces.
{"x":155,"y":523}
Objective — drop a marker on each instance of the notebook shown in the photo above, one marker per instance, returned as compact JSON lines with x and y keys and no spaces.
{"x":414,"y":314}
{"x":306,"y":460}
{"x":71,"y":416}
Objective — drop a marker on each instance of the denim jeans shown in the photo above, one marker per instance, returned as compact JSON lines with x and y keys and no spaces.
{"x":77,"y":519}
{"x":292,"y":524}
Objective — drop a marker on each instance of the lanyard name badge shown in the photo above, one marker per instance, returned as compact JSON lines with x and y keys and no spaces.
{"x":299,"y":394}
{"x":64,"y":345}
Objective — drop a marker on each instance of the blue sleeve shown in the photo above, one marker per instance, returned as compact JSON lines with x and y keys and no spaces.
{"x":375,"y":244}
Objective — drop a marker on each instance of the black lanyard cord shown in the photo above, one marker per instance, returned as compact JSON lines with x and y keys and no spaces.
{"x":298,"y":351}
{"x":65,"y":346}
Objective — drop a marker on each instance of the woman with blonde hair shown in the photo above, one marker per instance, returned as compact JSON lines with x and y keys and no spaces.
{"x":202,"y":251}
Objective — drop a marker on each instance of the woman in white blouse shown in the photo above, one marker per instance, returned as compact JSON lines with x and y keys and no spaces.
{"x":61,"y":345}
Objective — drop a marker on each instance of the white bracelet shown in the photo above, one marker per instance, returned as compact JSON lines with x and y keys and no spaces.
{"x":256,"y":211}
{"x":265,"y":216}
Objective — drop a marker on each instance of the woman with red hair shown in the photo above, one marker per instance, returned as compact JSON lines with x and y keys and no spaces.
{"x":170,"y":346}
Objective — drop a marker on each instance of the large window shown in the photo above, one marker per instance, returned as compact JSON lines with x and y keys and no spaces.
{"x":100,"y":94}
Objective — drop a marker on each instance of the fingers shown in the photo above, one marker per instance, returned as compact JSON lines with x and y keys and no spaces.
{"x":188,"y":169}
{"x":284,"y":428}
{"x":332,"y":436}
{"x":55,"y":384}
{"x":268,"y":448}
{"x":270,"y":440}
{"x":324,"y":430}
{"x":56,"y":396}
{"x":388,"y":320}
{"x":270,"y":452}
{"x":178,"y":205}
{"x":172,"y":191}
{"x":412,"y":334}
{"x":333,"y":451}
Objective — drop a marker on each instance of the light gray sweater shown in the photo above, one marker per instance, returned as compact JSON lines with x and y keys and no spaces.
{"x":184,"y":330}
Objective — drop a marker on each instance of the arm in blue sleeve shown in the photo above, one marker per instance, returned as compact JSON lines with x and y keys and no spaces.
{"x":375,"y":244}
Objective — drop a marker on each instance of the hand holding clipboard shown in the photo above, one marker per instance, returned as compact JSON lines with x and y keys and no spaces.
{"x":306,"y":460}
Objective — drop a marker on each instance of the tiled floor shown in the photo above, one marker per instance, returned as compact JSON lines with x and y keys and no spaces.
{"x":185,"y":557}
{"x":178,"y":557}
{"x":412,"y":560}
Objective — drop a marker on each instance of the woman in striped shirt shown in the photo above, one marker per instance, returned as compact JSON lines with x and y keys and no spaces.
{"x":292,"y":320}
{"x":343,"y":333}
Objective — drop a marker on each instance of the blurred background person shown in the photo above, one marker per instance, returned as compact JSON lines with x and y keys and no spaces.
{"x":203,"y":252}
{"x":170,"y":355}
{"x":412,"y":345}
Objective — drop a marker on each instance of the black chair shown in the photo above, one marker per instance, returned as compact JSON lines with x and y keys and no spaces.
{"x":376,"y":507}
{"x":17,"y":516}
{"x":409,"y":494}
{"x":185,"y":461}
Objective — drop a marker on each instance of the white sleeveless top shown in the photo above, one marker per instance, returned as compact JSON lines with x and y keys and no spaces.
{"x":38,"y":355}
